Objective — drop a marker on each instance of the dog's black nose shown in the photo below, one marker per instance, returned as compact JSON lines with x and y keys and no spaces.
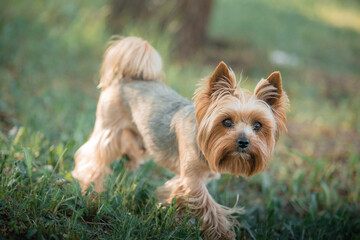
{"x":243,"y":142}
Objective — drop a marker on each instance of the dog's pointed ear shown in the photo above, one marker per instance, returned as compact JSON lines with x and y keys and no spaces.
{"x":222,"y":81}
{"x":275,"y":80}
{"x":271,"y":92}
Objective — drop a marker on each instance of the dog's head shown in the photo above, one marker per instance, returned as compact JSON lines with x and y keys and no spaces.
{"x":237,"y":130}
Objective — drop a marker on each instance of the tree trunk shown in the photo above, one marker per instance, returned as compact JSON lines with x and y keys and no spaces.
{"x":190,"y":17}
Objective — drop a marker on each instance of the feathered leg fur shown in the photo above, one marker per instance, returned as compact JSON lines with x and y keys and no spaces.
{"x":111,"y":139}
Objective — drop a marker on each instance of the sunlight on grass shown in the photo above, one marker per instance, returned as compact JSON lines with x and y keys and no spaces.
{"x":338,"y":16}
{"x":342,"y":14}
{"x":50,"y":59}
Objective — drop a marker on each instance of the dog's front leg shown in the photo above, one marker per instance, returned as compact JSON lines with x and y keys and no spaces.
{"x":191,"y":192}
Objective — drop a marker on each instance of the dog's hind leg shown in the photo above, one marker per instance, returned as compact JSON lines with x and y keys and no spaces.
{"x":133,"y":148}
{"x":93,"y":159}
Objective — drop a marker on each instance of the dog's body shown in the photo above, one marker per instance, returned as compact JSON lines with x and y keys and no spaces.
{"x":158,"y":112}
{"x":139,"y":115}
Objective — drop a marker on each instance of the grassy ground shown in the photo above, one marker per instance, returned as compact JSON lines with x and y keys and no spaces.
{"x":50,"y":55}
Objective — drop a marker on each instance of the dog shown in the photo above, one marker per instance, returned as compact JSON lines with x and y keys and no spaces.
{"x":226,"y":129}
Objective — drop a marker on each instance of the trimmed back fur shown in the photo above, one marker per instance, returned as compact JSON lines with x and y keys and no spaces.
{"x":130,"y":57}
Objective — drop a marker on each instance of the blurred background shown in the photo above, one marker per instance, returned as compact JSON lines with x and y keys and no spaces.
{"x":50,"y":57}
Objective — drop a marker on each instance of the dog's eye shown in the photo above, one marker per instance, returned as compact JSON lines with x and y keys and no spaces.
{"x":257,"y":126}
{"x":227,"y":123}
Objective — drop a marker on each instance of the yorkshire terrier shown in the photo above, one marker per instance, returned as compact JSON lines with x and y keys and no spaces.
{"x":226,"y":129}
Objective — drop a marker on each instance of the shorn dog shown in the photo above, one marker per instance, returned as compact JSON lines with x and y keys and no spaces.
{"x":226,"y":129}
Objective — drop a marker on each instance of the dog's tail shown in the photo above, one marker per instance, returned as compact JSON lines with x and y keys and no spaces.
{"x":130,"y":57}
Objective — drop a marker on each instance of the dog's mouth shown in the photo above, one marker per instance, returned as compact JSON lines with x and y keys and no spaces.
{"x":243,"y":163}
{"x":243,"y":155}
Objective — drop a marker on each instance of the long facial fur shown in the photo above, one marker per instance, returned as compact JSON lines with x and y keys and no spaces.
{"x":220,"y":98}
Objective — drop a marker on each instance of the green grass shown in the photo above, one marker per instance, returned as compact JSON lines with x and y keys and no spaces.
{"x":50,"y":56}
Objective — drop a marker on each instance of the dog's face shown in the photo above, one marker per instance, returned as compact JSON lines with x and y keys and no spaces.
{"x":237,"y":130}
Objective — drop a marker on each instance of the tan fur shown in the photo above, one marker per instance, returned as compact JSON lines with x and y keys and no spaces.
{"x":137,"y":115}
{"x":130,"y":57}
